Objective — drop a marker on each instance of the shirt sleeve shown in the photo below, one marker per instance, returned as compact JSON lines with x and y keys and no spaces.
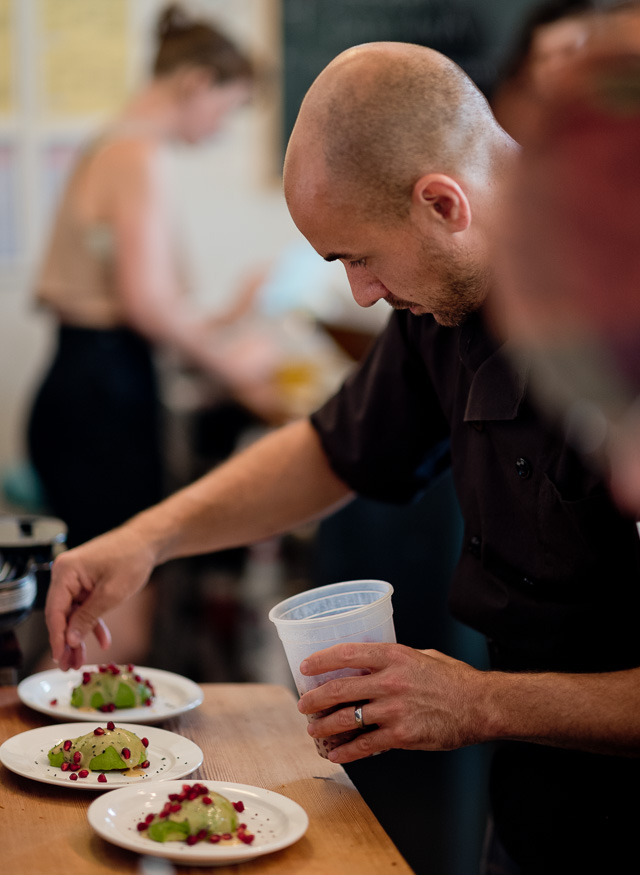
{"x":384,"y":432}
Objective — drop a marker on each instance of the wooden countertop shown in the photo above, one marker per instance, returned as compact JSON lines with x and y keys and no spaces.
{"x":249,"y":734}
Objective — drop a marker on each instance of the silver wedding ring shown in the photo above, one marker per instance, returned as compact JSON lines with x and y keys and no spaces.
{"x":357,"y":713}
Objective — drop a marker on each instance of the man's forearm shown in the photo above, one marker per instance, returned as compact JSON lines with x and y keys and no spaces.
{"x":590,"y":712}
{"x":277,"y":483}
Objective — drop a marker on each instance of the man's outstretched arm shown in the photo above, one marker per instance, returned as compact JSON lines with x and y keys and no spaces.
{"x":277,"y":483}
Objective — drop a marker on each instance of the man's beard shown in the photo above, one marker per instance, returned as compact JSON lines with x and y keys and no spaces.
{"x":462,"y":291}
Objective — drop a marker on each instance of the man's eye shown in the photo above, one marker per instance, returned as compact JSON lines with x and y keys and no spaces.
{"x":361,"y":262}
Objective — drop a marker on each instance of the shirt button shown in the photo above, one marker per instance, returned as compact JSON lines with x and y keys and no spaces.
{"x":474,"y":546}
{"x":523,"y":467}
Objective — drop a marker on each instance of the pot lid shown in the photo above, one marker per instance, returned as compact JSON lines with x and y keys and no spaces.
{"x":31,"y":531}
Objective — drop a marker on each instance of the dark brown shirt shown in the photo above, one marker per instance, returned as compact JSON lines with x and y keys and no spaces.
{"x":549,"y":565}
{"x":549,"y":570}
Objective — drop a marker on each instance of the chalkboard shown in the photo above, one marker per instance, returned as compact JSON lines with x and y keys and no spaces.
{"x":315,"y":31}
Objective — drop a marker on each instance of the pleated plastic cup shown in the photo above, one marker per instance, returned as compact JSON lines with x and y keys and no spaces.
{"x":354,"y":610}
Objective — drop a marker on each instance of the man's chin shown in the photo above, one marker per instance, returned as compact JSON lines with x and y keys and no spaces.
{"x":451,"y":320}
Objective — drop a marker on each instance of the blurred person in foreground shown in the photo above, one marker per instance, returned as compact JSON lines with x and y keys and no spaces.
{"x":113,"y":279}
{"x":393,"y":169}
{"x":568,"y":257}
{"x":552,"y":33}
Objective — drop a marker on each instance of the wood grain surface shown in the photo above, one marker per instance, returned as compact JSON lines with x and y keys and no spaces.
{"x":249,"y":734}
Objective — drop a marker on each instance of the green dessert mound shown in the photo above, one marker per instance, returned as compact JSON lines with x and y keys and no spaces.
{"x":100,"y":750}
{"x":111,"y":687}
{"x":194,"y":815}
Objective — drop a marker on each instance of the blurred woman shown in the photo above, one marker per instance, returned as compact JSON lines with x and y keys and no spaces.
{"x":112,"y":279}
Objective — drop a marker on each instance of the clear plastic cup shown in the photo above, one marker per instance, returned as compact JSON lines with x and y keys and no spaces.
{"x":354,"y":610}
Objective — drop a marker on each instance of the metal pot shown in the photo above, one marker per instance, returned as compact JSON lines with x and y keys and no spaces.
{"x":28,"y":546}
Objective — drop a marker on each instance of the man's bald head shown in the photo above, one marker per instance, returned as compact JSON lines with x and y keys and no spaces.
{"x":381,"y":115}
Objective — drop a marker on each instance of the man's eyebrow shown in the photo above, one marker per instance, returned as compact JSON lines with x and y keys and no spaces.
{"x":336,"y":256}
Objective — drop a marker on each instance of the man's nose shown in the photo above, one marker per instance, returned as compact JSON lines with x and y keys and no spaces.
{"x":366,"y":290}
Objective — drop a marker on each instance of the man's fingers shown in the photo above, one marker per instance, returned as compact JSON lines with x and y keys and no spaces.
{"x":103,"y":635}
{"x":84,"y":619}
{"x":57,"y":622}
{"x":337,"y":692}
{"x":365,"y":745}
{"x":365,"y":656}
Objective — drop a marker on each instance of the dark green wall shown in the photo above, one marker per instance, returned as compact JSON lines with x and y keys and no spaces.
{"x":474,"y":34}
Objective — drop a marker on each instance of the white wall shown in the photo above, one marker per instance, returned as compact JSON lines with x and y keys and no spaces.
{"x":231,"y":217}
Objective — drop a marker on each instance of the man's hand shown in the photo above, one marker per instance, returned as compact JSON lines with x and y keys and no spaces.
{"x":86,"y":582}
{"x":418,"y":699}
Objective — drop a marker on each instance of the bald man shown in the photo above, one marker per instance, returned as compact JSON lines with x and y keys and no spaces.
{"x":393,"y":169}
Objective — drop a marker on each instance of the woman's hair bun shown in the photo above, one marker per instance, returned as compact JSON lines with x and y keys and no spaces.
{"x":184,"y":41}
{"x":173,"y":20}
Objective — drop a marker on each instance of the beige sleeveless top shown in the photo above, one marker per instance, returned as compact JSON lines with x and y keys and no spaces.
{"x":77,"y":277}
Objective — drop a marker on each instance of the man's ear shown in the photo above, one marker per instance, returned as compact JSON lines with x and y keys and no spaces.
{"x":438,"y":196}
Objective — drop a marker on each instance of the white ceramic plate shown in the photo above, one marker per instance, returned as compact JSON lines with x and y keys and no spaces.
{"x":174,"y":695}
{"x":170,"y":756}
{"x":275,"y":820}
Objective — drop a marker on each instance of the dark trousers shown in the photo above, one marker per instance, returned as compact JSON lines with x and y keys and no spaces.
{"x":94,"y":430}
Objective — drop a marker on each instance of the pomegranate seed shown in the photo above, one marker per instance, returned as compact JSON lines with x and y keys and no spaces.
{"x":201,"y":835}
{"x":130,"y":667}
{"x":239,"y":806}
{"x":145,"y":742}
{"x":214,"y":838}
{"x":86,"y":677}
{"x":103,"y":669}
{"x":242,"y":826}
{"x":173,"y":797}
{"x":246,"y":837}
{"x":126,"y":753}
{"x":186,"y":788}
{"x":73,"y":776}
{"x":163,"y":814}
{"x":102,"y":778}
{"x":53,"y":702}
{"x":111,"y":707}
{"x":149,"y":818}
{"x":144,"y":765}
{"x":65,"y":767}
{"x":142,"y":826}
{"x":111,"y":725}
{"x":137,"y":678}
{"x":77,"y":757}
{"x":98,"y":730}
{"x":148,"y":703}
{"x":191,"y":840}
{"x":67,"y":744}
{"x":74,"y":767}
{"x":226,"y":836}
{"x":175,"y":807}
{"x":207,"y":800}
{"x":83,"y":773}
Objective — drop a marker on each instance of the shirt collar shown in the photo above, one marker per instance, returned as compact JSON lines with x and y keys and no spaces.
{"x":499,"y":381}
